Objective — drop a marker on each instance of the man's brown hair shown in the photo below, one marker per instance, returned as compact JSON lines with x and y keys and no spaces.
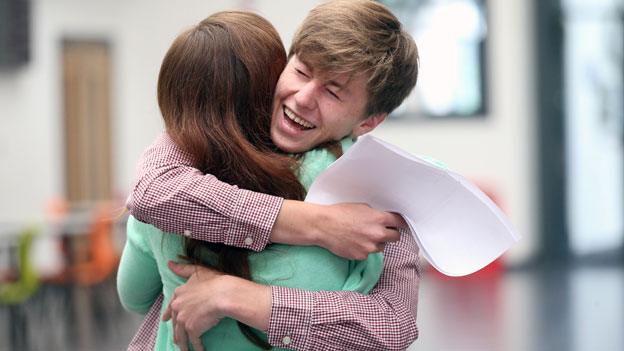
{"x":360,"y":37}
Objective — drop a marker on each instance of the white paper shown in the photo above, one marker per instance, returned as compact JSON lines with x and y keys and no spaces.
{"x":458,"y":228}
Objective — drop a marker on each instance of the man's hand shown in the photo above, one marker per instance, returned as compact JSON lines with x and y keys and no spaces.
{"x":350,"y":230}
{"x":207,"y":297}
{"x":355,"y":230}
{"x":195,"y":306}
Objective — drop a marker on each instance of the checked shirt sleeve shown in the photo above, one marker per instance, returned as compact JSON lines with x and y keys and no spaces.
{"x":175,"y":197}
{"x":344,"y":320}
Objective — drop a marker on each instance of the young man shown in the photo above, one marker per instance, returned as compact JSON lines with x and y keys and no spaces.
{"x":350,"y":65}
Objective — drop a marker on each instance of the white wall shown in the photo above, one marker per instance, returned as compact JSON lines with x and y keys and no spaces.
{"x":30,"y":97}
{"x":498,"y":149}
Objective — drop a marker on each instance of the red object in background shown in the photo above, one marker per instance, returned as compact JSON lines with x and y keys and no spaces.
{"x":497,"y":266}
{"x":492,"y":270}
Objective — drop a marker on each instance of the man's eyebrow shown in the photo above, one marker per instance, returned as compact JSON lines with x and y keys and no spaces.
{"x":305,"y":65}
{"x":338,"y":85}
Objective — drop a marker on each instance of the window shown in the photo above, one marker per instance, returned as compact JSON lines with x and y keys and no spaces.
{"x":451,"y":36}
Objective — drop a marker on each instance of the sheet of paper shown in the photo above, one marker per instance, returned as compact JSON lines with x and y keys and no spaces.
{"x":457,"y":227}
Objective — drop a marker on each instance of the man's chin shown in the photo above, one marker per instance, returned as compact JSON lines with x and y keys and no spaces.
{"x":290,"y":146}
{"x":292,"y":149}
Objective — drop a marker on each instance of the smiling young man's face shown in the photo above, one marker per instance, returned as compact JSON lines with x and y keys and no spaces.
{"x":310,"y":108}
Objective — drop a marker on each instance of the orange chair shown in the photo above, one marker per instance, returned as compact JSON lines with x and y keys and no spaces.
{"x":90,"y":257}
{"x":102,"y":255}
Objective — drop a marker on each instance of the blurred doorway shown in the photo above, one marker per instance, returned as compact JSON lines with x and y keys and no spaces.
{"x":86,"y":89}
{"x":594,"y":109}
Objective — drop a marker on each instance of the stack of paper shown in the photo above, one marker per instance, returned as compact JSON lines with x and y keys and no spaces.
{"x":458,"y":228}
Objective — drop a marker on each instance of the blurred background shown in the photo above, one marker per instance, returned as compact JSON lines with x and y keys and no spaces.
{"x":523,"y":97}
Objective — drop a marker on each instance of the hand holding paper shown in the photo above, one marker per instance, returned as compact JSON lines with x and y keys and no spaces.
{"x":457,"y":227}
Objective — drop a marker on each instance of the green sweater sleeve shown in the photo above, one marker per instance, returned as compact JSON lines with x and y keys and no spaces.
{"x":138,"y":280}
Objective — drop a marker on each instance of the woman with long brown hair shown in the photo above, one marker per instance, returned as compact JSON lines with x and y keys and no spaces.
{"x":215,"y":92}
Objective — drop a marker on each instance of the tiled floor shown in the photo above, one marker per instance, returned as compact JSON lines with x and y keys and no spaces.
{"x":536,"y":309}
{"x":69,"y":318}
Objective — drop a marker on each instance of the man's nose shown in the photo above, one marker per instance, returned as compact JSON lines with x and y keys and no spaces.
{"x":306,"y":96}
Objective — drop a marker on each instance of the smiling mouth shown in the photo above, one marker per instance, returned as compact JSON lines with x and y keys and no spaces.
{"x":297,"y":120}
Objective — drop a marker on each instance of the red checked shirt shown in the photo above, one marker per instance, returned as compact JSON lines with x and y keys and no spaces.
{"x":175,"y":197}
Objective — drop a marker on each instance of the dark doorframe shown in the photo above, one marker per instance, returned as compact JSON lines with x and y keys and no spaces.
{"x":554,"y":242}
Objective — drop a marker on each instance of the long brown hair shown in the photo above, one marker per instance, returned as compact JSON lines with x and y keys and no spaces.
{"x":215,"y":92}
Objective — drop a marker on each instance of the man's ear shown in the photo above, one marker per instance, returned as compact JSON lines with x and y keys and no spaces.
{"x":370,"y":123}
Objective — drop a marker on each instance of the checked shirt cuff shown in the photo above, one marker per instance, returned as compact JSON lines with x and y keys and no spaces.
{"x":253,"y":220}
{"x":291,"y":315}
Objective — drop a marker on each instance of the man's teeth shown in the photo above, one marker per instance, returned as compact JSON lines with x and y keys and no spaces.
{"x":291,"y":115}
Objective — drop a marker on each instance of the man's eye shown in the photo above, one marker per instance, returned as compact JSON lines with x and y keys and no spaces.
{"x":301,"y":72}
{"x":333,"y":94}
